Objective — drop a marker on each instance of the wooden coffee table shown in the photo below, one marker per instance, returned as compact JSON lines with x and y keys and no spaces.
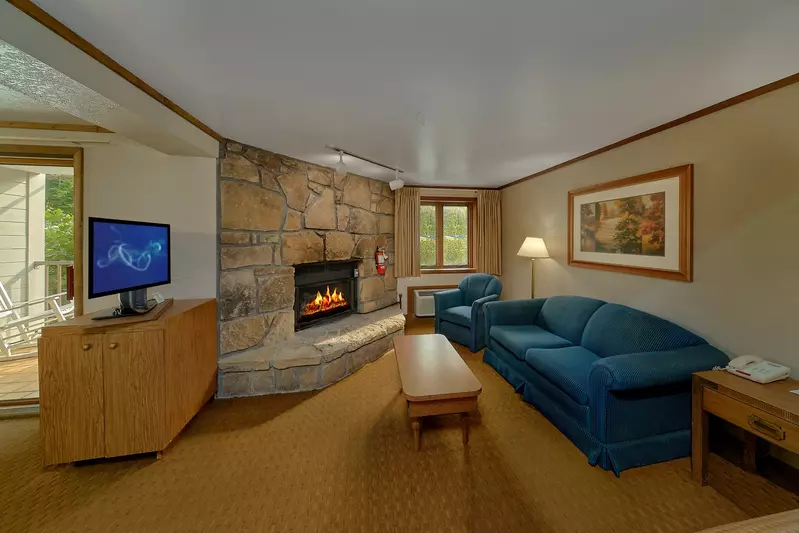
{"x":435,"y":381}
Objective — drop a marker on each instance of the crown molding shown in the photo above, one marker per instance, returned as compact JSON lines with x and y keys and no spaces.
{"x":84,"y":128}
{"x":735,"y":100}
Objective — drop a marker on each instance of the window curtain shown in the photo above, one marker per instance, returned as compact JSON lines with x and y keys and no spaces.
{"x":489,"y":232}
{"x":407,"y":204}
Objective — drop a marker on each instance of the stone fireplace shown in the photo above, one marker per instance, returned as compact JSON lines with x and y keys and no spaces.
{"x":324,"y":292}
{"x":284,"y":225}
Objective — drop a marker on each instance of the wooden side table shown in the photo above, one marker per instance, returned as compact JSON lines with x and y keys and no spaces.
{"x":770,"y":412}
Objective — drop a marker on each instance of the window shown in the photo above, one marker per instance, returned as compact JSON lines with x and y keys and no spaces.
{"x":445,"y":234}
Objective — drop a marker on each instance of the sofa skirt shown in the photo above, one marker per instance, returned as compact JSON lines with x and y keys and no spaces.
{"x":616,"y":457}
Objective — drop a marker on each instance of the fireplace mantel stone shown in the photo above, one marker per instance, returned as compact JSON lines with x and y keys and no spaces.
{"x":314,"y":358}
{"x":277,"y":212}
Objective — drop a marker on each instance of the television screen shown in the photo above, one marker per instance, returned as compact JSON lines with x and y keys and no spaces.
{"x":127,"y":255}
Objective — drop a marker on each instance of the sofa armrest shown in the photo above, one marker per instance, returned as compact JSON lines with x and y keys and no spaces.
{"x":447,"y":299}
{"x":512,"y":312}
{"x":653,"y":369}
{"x":484,"y":300}
{"x":661,"y":382}
{"x":477,"y":305}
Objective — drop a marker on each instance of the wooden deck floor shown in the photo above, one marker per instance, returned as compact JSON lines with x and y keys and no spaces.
{"x":19,"y":379}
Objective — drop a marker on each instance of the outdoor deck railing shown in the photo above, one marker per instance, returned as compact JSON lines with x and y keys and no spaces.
{"x":58,"y":267}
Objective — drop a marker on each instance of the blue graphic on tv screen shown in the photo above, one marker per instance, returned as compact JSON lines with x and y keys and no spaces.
{"x":128,"y":255}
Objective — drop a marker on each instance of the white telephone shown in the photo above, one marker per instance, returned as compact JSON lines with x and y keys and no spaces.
{"x":756,"y":369}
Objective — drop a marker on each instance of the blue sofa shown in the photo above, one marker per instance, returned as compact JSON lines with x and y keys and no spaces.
{"x":459,"y":312}
{"x":616,"y":381}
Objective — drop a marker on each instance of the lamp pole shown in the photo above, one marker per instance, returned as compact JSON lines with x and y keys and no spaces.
{"x":534,"y":248}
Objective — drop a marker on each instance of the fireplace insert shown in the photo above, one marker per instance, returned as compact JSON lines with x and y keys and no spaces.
{"x":324,"y":291}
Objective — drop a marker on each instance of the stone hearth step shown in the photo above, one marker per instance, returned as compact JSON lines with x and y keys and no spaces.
{"x":314,"y":358}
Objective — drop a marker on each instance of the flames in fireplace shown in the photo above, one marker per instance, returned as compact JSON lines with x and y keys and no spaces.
{"x":325,"y":302}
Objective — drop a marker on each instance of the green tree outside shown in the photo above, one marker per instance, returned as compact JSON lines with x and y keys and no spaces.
{"x":59,"y":226}
{"x":427,"y":235}
{"x":455,"y":238}
{"x":456,"y":235}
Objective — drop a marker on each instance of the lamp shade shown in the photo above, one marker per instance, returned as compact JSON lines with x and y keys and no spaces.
{"x":533,"y":247}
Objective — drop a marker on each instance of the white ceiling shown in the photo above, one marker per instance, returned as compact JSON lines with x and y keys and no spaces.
{"x":16,"y":107}
{"x":457,"y":92}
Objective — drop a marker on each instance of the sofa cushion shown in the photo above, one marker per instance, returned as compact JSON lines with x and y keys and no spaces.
{"x":568,"y":368}
{"x":617,"y":329}
{"x":566,"y":316}
{"x":461,"y":314}
{"x":539,"y":390}
{"x":519,"y":339}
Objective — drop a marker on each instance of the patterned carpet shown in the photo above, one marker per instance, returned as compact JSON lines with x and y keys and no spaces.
{"x":343,"y":460}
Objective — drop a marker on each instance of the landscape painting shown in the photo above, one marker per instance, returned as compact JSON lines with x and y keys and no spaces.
{"x":633,"y":225}
{"x":641,"y":225}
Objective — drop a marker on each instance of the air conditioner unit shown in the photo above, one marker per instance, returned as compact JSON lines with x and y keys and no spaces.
{"x":423,"y":303}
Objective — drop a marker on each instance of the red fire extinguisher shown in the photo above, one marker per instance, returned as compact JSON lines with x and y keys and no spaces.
{"x":381,"y":260}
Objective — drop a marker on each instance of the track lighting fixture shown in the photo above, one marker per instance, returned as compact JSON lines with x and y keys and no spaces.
{"x":341,"y":167}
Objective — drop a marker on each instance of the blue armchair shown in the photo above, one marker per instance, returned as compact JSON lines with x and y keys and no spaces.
{"x":459,"y":312}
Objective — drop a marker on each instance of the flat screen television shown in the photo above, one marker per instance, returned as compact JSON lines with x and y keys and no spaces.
{"x":125,"y":257}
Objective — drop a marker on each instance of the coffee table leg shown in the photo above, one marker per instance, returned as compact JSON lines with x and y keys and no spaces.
{"x":465,"y":427}
{"x":417,"y":438}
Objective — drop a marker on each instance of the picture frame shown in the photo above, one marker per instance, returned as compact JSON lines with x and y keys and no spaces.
{"x":642,"y":225}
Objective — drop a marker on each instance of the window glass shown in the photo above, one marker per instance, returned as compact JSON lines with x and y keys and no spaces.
{"x":456,"y":235}
{"x":427,"y":236}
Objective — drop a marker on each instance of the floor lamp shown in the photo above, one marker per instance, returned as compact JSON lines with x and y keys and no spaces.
{"x":534,"y":248}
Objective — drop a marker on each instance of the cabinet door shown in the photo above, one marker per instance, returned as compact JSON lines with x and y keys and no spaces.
{"x":134,"y":392}
{"x":71,"y":398}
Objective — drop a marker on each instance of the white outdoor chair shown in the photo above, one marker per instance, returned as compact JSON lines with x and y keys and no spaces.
{"x":20,"y":327}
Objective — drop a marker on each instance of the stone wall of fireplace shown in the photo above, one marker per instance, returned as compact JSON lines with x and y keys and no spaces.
{"x":276,"y":212}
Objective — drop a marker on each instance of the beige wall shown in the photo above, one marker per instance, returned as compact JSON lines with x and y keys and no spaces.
{"x":745,"y":297}
{"x":137,"y":183}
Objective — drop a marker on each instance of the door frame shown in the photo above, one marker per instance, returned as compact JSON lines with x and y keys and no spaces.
{"x":58,"y":156}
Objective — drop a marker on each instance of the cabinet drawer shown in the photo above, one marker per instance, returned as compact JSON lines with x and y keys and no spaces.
{"x":766,"y":425}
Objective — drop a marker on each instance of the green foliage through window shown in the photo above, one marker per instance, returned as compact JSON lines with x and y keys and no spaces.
{"x":427,"y":235}
{"x":453,"y":236}
{"x":59,"y":226}
{"x":456,"y":235}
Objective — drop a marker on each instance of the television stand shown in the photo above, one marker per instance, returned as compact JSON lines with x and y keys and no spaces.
{"x":127,"y":386}
{"x":153,"y":312}
{"x":131,"y":303}
{"x":121,"y":312}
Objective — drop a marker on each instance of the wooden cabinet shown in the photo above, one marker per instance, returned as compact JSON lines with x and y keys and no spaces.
{"x":71,"y":397}
{"x":126,"y":386}
{"x":133,"y":377}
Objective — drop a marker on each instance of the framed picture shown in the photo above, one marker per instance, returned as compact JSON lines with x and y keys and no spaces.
{"x":641,"y":225}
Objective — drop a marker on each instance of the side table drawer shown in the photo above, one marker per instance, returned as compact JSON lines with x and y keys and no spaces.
{"x":766,"y":425}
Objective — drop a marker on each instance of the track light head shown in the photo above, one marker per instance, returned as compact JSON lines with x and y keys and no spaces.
{"x":341,"y":167}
